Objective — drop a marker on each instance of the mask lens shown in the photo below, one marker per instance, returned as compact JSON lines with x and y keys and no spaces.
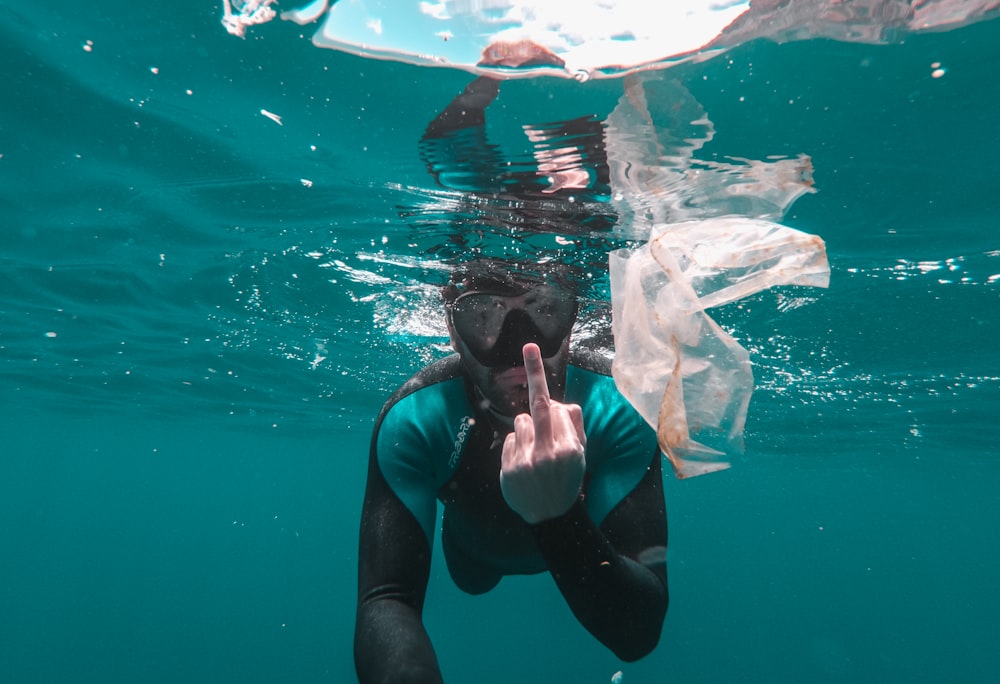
{"x":545,"y":317}
{"x":477,"y":319}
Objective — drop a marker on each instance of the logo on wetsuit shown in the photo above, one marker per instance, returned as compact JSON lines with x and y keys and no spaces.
{"x":463,"y":432}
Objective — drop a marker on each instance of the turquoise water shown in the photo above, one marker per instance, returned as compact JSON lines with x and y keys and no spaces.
{"x":194,"y":343}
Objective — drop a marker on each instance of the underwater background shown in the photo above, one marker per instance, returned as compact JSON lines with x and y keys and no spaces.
{"x":202,"y":310}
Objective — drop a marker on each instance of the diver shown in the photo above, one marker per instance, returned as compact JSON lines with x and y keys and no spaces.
{"x":539,"y":463}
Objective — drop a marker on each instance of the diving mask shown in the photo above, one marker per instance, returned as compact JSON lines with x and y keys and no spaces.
{"x":495,"y":327}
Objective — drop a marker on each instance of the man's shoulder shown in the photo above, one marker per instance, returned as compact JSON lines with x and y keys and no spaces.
{"x":420,"y":431}
{"x":590,"y":361}
{"x":589,"y":375}
{"x":590,"y":384}
{"x":434,"y":375}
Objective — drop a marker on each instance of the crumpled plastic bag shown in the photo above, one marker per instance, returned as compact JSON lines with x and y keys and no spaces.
{"x":685,"y":375}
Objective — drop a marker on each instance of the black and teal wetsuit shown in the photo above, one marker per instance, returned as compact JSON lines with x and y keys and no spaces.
{"x":433,"y":442}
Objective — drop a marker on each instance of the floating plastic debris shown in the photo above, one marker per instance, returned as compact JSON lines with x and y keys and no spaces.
{"x":713,"y":241}
{"x":687,"y":377}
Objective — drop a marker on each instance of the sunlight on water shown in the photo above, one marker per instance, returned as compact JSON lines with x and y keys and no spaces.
{"x":609,"y":38}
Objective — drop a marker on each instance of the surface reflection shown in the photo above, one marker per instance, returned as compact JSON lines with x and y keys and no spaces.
{"x":579,"y":188}
{"x":683,"y":235}
{"x":608,"y":38}
{"x":552,"y":203}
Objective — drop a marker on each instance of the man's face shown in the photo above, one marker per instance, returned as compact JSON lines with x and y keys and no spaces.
{"x":490,"y":330}
{"x":506,"y":387}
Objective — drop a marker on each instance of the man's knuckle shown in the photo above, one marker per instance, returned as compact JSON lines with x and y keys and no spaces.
{"x":540,"y":402}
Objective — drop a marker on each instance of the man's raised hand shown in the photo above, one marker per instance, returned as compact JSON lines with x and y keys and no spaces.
{"x":543,"y":458}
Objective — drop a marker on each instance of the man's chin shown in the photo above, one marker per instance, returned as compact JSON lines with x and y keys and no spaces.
{"x":509,"y":391}
{"x":514,"y":406}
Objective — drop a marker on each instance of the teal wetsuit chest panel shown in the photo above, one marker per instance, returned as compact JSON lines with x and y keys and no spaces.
{"x":420,"y":442}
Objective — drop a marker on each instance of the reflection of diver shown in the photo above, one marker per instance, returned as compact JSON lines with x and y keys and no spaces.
{"x":538,"y":461}
{"x":594,"y":183}
{"x":569,"y":155}
{"x":562,"y":189}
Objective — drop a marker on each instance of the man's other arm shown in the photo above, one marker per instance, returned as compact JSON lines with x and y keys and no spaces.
{"x":390,"y":642}
{"x":614,"y":577}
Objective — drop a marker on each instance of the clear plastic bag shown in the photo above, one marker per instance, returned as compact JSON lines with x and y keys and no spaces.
{"x":652,"y":136}
{"x":687,"y":377}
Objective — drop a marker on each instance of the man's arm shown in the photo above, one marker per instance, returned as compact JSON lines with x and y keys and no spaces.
{"x":619,"y":599}
{"x":390,"y":642}
{"x":614,"y":577}
{"x":467,"y":110}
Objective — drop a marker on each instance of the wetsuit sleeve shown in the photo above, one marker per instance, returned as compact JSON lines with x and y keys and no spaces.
{"x":614,"y":576}
{"x":390,"y":642}
{"x":412,"y":435}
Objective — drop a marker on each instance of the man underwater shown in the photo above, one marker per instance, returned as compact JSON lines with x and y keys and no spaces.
{"x":539,"y":463}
